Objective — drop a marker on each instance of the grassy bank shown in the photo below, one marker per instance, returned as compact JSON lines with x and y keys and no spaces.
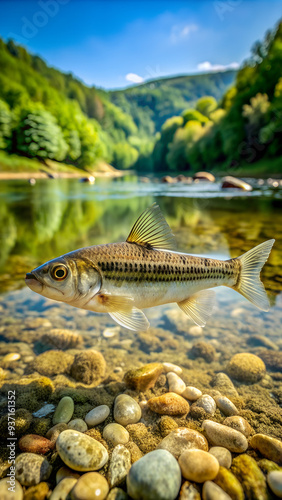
{"x":263,"y":168}
{"x":14,"y":166}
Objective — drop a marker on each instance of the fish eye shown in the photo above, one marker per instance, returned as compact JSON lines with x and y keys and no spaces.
{"x":59,"y":273}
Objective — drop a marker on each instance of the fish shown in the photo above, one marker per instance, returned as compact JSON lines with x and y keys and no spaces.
{"x":146,"y":271}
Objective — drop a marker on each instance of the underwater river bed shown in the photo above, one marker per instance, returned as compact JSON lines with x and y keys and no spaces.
{"x":50,"y":350}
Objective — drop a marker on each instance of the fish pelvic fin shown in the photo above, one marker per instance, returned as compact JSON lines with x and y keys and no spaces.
{"x":122,"y":310}
{"x":152,"y":231}
{"x":249,"y":284}
{"x":199,"y":307}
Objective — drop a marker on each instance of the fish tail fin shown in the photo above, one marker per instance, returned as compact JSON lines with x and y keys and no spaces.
{"x":249,"y":284}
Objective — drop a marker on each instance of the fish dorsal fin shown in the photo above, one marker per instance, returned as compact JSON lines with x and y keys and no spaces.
{"x":199,"y":306}
{"x":152,"y":231}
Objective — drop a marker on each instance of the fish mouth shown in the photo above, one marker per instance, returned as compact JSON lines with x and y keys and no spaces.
{"x":32,"y":282}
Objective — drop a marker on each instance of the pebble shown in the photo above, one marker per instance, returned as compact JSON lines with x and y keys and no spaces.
{"x":251,"y":477}
{"x":239,"y":424}
{"x":64,"y":411}
{"x":10,"y":495}
{"x":126,"y":410}
{"x":61,"y":338}
{"x":170,"y":367}
{"x":274,"y":480}
{"x":61,"y":491}
{"x":117,"y":494}
{"x":115,"y":434}
{"x":90,"y":486}
{"x":77,"y":424}
{"x":64,"y":472}
{"x":169,"y":404}
{"x":55,"y":431}
{"x":81,"y":452}
{"x":120,"y":464}
{"x":212,"y":491}
{"x":191,"y":393}
{"x":9,"y":358}
{"x":246,"y":367}
{"x":207,"y":403}
{"x":182,"y":439}
{"x":97,"y":415}
{"x":175,"y":383}
{"x":221,"y":435}
{"x":143,"y":378}
{"x":226,"y":406}
{"x":111,"y":332}
{"x":223,"y":384}
{"x":198,"y":465}
{"x":189,"y":492}
{"x":269,"y":447}
{"x":88,"y":367}
{"x":31,"y":469}
{"x":203,"y":350}
{"x":35,"y":444}
{"x":157,"y":475}
{"x":222,"y":455}
{"x":229,"y":483}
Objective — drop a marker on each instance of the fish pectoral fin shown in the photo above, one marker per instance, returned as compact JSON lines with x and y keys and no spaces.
{"x":199,"y":306}
{"x":152,"y":231}
{"x":121,"y":309}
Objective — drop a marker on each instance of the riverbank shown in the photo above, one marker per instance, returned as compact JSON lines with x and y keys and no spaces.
{"x":19,"y":167}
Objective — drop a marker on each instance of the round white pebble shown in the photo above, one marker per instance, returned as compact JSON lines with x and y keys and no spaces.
{"x":191,"y":393}
{"x":170,"y":367}
{"x":274,"y":480}
{"x":175,"y":383}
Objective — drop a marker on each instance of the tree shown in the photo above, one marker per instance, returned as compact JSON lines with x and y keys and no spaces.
{"x":193,"y":114}
{"x":124,"y":155}
{"x":38,"y":135}
{"x":5,"y":124}
{"x":206,"y":105}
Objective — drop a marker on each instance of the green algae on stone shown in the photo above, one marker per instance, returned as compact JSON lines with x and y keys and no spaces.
{"x":229,"y":483}
{"x":268,"y":466}
{"x":88,"y":367}
{"x":52,"y":363}
{"x":23,"y":419}
{"x":38,"y":492}
{"x":143,"y":378}
{"x":246,"y":367}
{"x":248,"y":473}
{"x":64,"y":411}
{"x":268,"y":446}
{"x":203,"y":350}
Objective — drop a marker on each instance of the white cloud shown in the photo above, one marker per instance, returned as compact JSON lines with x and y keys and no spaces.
{"x":132,"y":77}
{"x":180,"y":32}
{"x":207,"y":66}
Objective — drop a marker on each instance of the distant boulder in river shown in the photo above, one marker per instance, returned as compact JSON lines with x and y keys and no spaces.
{"x":232,"y":182}
{"x":204,"y":176}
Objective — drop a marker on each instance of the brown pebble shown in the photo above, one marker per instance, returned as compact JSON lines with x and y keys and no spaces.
{"x":239,"y":424}
{"x":90,"y":485}
{"x":55,"y":431}
{"x":143,"y":378}
{"x":183,"y":439}
{"x":268,"y":446}
{"x":36,"y":444}
{"x":169,"y":404}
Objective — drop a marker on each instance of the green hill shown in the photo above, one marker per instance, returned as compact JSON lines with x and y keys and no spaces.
{"x":151,"y":103}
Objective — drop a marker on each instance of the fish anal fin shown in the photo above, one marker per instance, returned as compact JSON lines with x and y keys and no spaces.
{"x":152,"y":231}
{"x":122,"y":311}
{"x":199,"y":306}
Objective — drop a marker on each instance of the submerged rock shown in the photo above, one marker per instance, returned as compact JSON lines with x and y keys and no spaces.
{"x":88,"y":367}
{"x":17,"y":494}
{"x":126,"y":410}
{"x":221,"y":435}
{"x":175,"y":383}
{"x":143,"y":378}
{"x":274,"y":480}
{"x":191,"y":393}
{"x":115,"y":434}
{"x":63,"y":488}
{"x":52,"y":363}
{"x":223,"y":384}
{"x":31,"y":469}
{"x":77,"y":424}
{"x":91,"y":485}
{"x":239,"y":424}
{"x":203,"y":350}
{"x":198,"y":465}
{"x":232,"y":182}
{"x":229,"y":483}
{"x":120,"y":464}
{"x":212,"y":491}
{"x":226,"y":406}
{"x":268,"y":446}
{"x":33,"y":443}
{"x":61,"y":338}
{"x":97,"y":415}
{"x":183,"y":439}
{"x":169,"y":404}
{"x":222,"y":455}
{"x":251,"y":477}
{"x":81,"y":452}
{"x":207,"y":403}
{"x":246,"y":367}
{"x":64,"y":411}
{"x":156,"y":475}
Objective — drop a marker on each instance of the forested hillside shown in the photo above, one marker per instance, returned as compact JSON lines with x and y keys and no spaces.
{"x":45,"y":113}
{"x":151,"y":103}
{"x":245,"y":126}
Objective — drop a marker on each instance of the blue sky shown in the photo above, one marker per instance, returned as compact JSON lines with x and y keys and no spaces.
{"x":113,"y":43}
